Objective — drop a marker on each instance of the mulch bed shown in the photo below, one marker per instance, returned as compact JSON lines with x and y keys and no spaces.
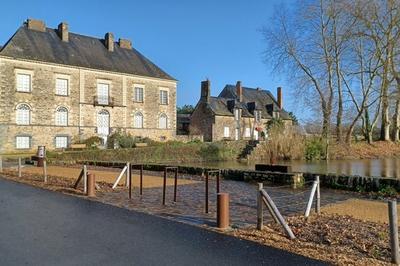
{"x":340,"y":240}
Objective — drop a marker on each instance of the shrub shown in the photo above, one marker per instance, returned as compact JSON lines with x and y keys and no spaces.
{"x":120,"y":140}
{"x":314,"y":149}
{"x":387,"y":191}
{"x":92,"y":142}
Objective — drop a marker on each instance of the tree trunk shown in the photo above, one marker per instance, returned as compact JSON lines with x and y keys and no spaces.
{"x":396,"y":126}
{"x":385,"y":121}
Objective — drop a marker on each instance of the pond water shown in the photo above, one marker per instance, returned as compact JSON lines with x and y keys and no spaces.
{"x":385,"y":167}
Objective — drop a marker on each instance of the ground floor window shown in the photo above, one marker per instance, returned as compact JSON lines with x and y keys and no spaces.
{"x":247,"y":133}
{"x":226,"y":132}
{"x":61,"y":142}
{"x":23,"y":142}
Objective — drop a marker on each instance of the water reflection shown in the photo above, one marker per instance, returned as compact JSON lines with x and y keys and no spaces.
{"x":386,"y":167}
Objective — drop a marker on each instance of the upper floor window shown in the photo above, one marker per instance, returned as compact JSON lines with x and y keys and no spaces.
{"x":275,"y":115}
{"x":23,"y":142}
{"x":257,"y":115}
{"x":138,"y":120}
{"x":138,"y":94}
{"x":237,"y":113}
{"x":24,"y":82}
{"x":23,"y":114}
{"x":62,"y":116}
{"x":163,"y":97}
{"x":163,"y":121}
{"x":103,"y":92}
{"x":62,"y":86}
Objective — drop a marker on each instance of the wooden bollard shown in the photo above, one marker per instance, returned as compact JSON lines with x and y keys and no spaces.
{"x":91,"y":185}
{"x":259,"y":207}
{"x":394,"y":231}
{"x":19,"y":167}
{"x":223,"y":210}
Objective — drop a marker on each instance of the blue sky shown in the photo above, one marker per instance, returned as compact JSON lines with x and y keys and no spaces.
{"x":190,"y":40}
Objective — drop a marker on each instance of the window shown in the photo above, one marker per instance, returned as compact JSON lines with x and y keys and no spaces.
{"x":138,"y":94}
{"x":163,"y":97}
{"x":61,"y":142}
{"x":247,"y":133}
{"x":62,"y":87}
{"x":275,"y":115}
{"x":103,"y":93}
{"x":23,"y":142}
{"x":237,"y":114}
{"x":62,"y":116}
{"x":163,"y":121}
{"x":23,"y":82}
{"x":23,"y":114}
{"x":138,"y":120}
{"x":226,"y":132}
{"x":236,"y":134}
{"x":257,"y":115}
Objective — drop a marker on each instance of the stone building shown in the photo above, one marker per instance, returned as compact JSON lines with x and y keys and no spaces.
{"x":58,"y":87}
{"x":237,"y":113}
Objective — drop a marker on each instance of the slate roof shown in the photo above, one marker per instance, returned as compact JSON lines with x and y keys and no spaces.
{"x":262,"y":98}
{"x":80,"y":51}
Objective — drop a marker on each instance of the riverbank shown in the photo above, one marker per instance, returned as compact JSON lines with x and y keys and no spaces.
{"x":363,"y":150}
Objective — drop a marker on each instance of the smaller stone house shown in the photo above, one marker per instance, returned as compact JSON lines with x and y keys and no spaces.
{"x":237,"y":113}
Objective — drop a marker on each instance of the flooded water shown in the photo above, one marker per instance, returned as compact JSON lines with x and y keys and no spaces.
{"x":386,"y":167}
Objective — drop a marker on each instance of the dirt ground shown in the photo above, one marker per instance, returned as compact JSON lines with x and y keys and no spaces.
{"x":363,"y":150}
{"x":366,"y":210}
{"x":106,"y":176}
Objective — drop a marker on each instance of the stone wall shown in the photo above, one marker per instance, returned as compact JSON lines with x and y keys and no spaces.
{"x":82,"y":114}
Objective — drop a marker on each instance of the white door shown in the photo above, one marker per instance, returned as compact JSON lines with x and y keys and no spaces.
{"x":103,"y":123}
{"x":102,"y":93}
{"x":255,"y":135}
{"x":236,"y":134}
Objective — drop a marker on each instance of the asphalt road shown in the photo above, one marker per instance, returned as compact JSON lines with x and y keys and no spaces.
{"x":39,"y":227}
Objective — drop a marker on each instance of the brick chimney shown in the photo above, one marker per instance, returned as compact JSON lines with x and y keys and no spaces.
{"x":124,"y":43}
{"x":35,"y":24}
{"x":239,"y":91}
{"x":63,"y":31}
{"x":109,"y":41}
{"x":279,"y":97}
{"x":205,"y":91}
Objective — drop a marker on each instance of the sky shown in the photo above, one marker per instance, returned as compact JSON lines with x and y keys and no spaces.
{"x":190,"y":40}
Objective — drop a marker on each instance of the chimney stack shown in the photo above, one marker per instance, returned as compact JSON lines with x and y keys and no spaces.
{"x":35,"y":24}
{"x":279,"y":97}
{"x":205,"y":91}
{"x":239,"y":91}
{"x":124,"y":43}
{"x":109,"y":41}
{"x":63,"y":31}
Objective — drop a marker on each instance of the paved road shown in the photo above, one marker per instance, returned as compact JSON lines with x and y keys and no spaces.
{"x":39,"y":227}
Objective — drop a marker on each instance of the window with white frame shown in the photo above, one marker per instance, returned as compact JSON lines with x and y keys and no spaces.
{"x":247,"y":132}
{"x":257,"y":115}
{"x":23,"y":142}
{"x":226,"y":132}
{"x":23,"y":82}
{"x":237,"y":134}
{"x":163,"y":97}
{"x":62,"y":86}
{"x":62,"y":116}
{"x":163,"y":121}
{"x":61,"y":142}
{"x":138,"y":120}
{"x":23,"y":114}
{"x":138,"y":94}
{"x":237,"y":113}
{"x":103,"y":91}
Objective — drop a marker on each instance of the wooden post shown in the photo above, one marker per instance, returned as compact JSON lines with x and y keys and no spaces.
{"x":141,"y":179}
{"x":270,"y":210}
{"x":91,"y":191}
{"x":318,"y":197}
{"x":310,"y":200}
{"x":223,"y":210}
{"x":85,"y":179}
{"x":394,"y":233}
{"x":164,"y":186}
{"x":206,"y":196}
{"x":1,"y":164}
{"x":119,"y":177}
{"x":128,"y":169}
{"x":19,"y":167}
{"x":175,"y":183}
{"x":259,"y":207}
{"x":278,"y":215}
{"x":45,"y":171}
